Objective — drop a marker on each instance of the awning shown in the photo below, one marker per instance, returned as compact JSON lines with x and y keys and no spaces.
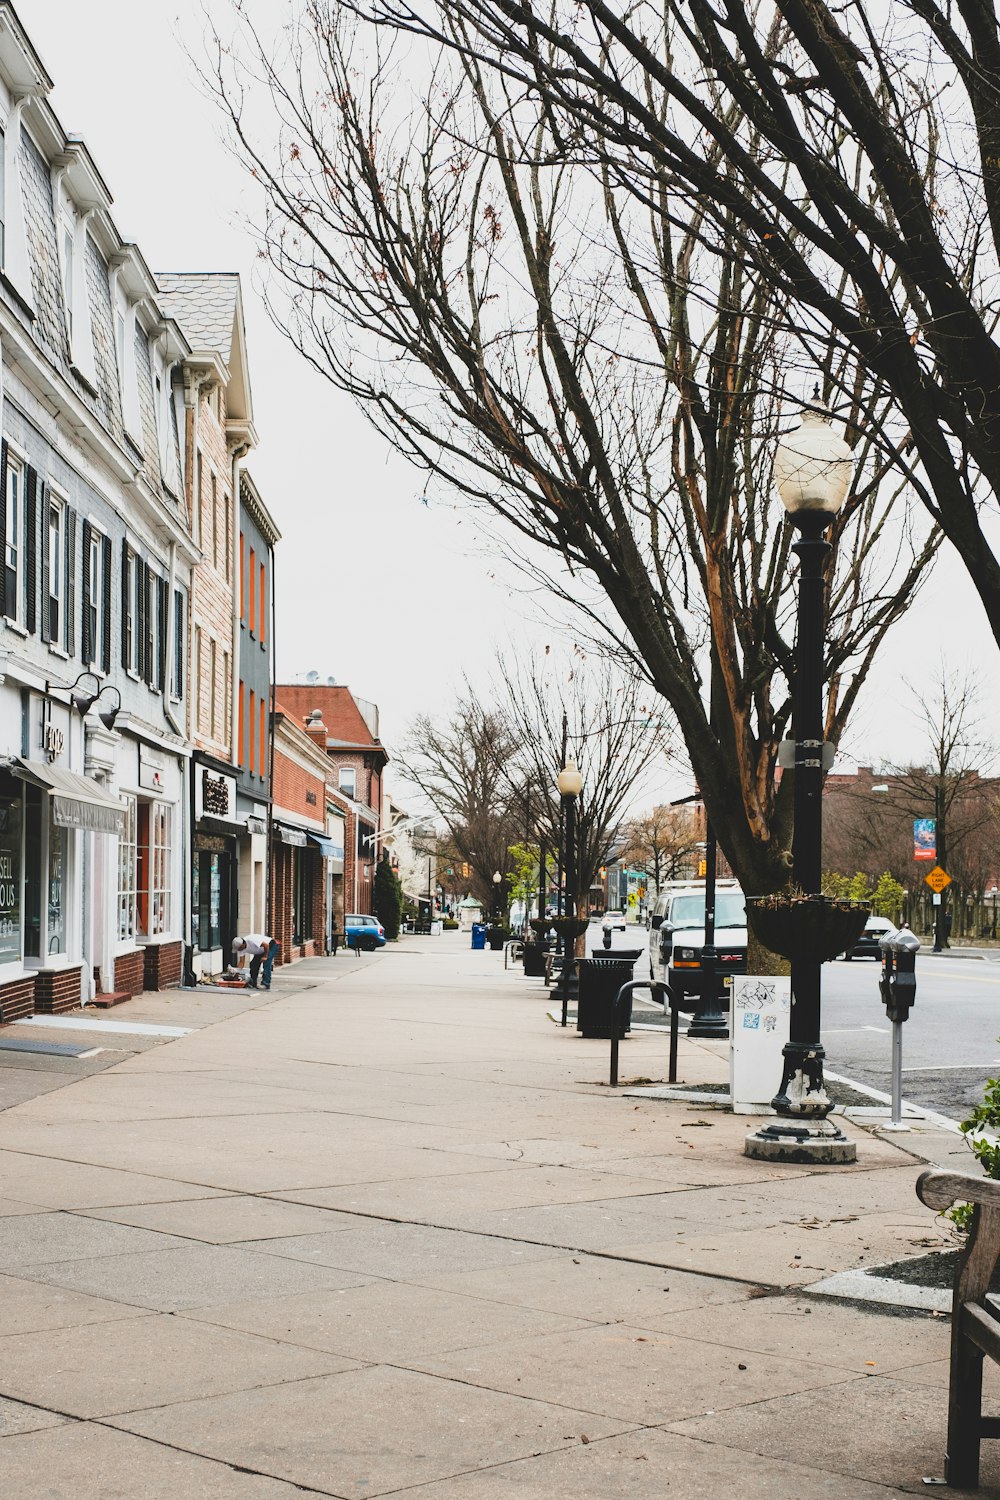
{"x":77,"y":801}
{"x":255,"y":825}
{"x":287,"y":835}
{"x":326,"y":845}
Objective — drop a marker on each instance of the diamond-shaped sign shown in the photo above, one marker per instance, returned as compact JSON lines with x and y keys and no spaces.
{"x":937,"y":878}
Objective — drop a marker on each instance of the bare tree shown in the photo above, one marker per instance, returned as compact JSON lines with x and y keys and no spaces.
{"x":558,"y":346}
{"x":850,"y":155}
{"x":462,"y":767}
{"x":664,"y":843}
{"x":582,"y":708}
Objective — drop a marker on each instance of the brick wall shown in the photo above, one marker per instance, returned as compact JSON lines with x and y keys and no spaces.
{"x":292,"y":782}
{"x":17,"y":999}
{"x":130,"y":972}
{"x":282,"y":902}
{"x":162,"y":966}
{"x":57,"y":990}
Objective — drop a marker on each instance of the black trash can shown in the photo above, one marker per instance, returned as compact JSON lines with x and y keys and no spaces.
{"x":495,"y":938}
{"x":600,"y":981}
{"x":534,"y":960}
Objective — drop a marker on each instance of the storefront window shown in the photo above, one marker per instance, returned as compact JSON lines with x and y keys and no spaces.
{"x":32,"y":872}
{"x":127,"y":849}
{"x":55,"y":937}
{"x":10,"y":869}
{"x":302,"y":888}
{"x":152,"y":869}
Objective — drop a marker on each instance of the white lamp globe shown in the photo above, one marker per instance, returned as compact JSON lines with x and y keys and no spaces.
{"x":569,"y":780}
{"x":813,"y":467}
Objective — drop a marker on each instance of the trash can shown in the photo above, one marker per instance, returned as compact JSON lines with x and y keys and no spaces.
{"x":534,"y":960}
{"x":496,"y":938}
{"x":600,"y":981}
{"x":479,"y":934}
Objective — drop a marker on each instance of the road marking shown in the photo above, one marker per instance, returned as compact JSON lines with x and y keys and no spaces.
{"x":954,"y":1068}
{"x":850,"y":1030}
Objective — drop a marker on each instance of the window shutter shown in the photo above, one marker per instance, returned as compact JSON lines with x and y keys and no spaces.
{"x":69,"y":603}
{"x":87,"y":646}
{"x":147,"y":624}
{"x":3,"y":536}
{"x":106,"y":657}
{"x":179,"y":644}
{"x":31,"y":553}
{"x":126,"y":624}
{"x":43,"y":541}
{"x":162,"y":625}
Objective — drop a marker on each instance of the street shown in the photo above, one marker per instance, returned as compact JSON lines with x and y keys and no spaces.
{"x":950,"y":1042}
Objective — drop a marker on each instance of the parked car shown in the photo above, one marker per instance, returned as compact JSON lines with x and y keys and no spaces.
{"x":677,"y":937}
{"x":366,"y":933}
{"x":615,"y":920}
{"x":867,"y":945}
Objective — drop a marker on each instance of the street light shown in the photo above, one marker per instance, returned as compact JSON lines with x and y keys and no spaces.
{"x":812,"y":472}
{"x":497,"y":882}
{"x":570,"y":785}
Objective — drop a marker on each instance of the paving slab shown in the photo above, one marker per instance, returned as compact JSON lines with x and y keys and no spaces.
{"x":227,"y":1220}
{"x":193,"y":1276}
{"x":15,"y":1417}
{"x":628,"y":1372}
{"x":31,"y":1240}
{"x":87,"y":1461}
{"x":53,"y":1182}
{"x":406,"y":1251}
{"x":648,"y":1466}
{"x":386,"y":1322}
{"x":368,"y":1432}
{"x":95,"y":1370}
{"x":886,"y":1430}
{"x":30,"y":1306}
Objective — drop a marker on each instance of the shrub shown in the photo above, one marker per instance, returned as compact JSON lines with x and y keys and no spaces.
{"x":984,"y":1147}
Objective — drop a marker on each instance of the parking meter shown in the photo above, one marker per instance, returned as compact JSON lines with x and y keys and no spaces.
{"x":898,"y":981}
{"x":898,"y":988}
{"x":607,"y":934}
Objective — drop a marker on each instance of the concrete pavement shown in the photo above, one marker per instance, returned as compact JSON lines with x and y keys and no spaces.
{"x":387,"y":1230}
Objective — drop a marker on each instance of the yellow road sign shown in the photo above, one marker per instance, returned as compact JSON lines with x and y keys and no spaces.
{"x":937,"y":878}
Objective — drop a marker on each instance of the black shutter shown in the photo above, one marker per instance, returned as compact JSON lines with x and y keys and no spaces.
{"x":162,"y":625}
{"x":43,"y":543}
{"x":105,"y":662}
{"x":69,"y":602}
{"x":4,"y":610}
{"x":177,"y":686}
{"x":31,"y":553}
{"x":126,"y":622}
{"x":147,"y":625}
{"x":87,"y":645}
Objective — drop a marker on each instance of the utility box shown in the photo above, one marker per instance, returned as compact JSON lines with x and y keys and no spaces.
{"x":758,"y":1029}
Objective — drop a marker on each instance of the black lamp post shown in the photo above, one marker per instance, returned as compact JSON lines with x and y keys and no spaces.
{"x":497,"y":883}
{"x":812,"y":472}
{"x":570,"y":784}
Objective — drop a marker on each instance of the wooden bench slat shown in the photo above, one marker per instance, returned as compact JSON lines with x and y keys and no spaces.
{"x":982,"y":1329}
{"x":941,"y":1189}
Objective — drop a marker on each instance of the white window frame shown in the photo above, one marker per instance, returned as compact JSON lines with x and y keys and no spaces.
{"x":159,"y":867}
{"x":15,"y":535}
{"x":98,"y":600}
{"x":3,"y":194}
{"x":128,"y":856}
{"x":348,"y":773}
{"x":67,"y":255}
{"x":55,"y":505}
{"x":131,"y":602}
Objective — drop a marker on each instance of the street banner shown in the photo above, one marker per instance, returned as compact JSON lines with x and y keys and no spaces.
{"x":924,"y":838}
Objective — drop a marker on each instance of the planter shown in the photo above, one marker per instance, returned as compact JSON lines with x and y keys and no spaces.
{"x":570,"y":927}
{"x":540,"y":925}
{"x":806,"y":927}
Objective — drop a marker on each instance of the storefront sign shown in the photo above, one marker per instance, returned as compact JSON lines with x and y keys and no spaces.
{"x":152,"y":769}
{"x":53,"y":741}
{"x":215,"y":796}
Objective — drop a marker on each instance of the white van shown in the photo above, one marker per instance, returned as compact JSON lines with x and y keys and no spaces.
{"x":677,"y":937}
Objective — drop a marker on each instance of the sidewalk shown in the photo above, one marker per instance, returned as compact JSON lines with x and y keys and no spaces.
{"x":387,"y":1229}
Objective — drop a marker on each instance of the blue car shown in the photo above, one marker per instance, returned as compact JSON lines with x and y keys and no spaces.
{"x":364,"y":933}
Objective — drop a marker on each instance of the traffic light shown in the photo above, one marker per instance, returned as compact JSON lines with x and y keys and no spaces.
{"x":702,"y":868}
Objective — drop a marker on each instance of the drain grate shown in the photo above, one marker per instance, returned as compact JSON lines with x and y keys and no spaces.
{"x":47,"y":1049}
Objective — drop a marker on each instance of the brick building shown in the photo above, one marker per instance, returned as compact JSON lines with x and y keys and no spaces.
{"x":349,"y":727}
{"x":306,"y":854}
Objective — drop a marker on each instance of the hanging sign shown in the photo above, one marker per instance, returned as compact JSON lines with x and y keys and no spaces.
{"x":924,"y":838}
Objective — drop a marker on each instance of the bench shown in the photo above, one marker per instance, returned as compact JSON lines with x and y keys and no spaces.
{"x":975,"y":1318}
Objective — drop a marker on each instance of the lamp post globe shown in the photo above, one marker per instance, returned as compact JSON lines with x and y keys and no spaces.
{"x":569,"y":784}
{"x":813,"y":467}
{"x":497,"y":882}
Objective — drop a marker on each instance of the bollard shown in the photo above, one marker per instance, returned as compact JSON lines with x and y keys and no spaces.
{"x":898,"y":988}
{"x":625,"y":993}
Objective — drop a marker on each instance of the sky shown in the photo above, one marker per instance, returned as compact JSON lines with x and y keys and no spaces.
{"x":374,"y":588}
